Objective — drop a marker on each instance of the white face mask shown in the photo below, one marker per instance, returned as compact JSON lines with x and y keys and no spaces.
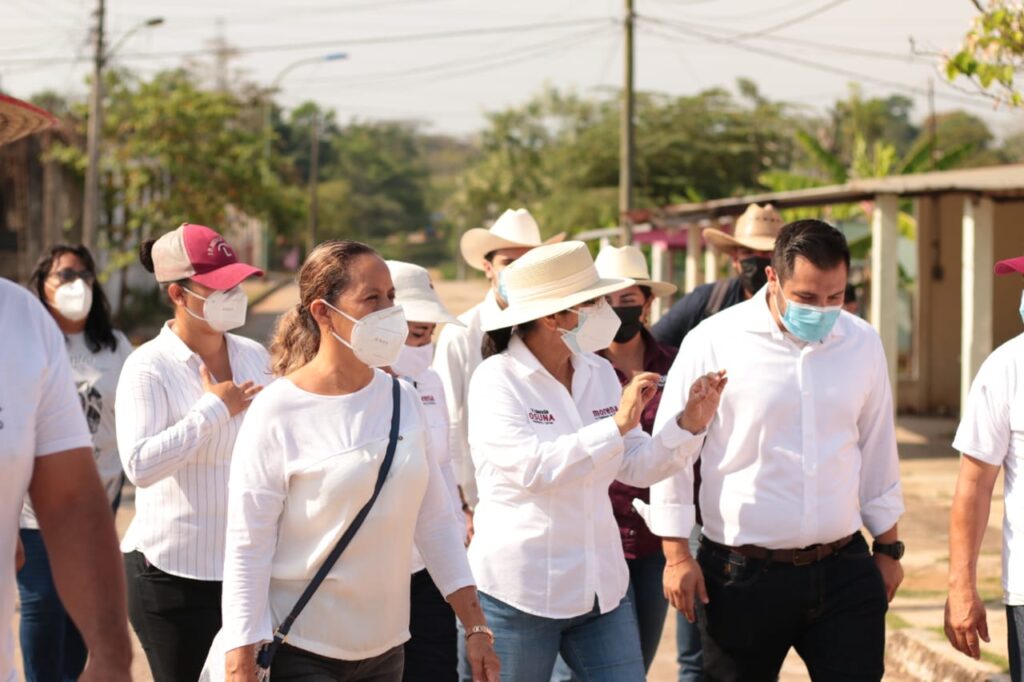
{"x":377,"y":338}
{"x":73,"y":300}
{"x":413,"y":360}
{"x":595,"y":330}
{"x":222,"y":310}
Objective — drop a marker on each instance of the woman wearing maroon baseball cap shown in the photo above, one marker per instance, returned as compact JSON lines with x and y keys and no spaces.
{"x":180,"y":401}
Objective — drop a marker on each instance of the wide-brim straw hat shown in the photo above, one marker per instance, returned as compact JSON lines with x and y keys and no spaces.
{"x":757,"y":229}
{"x":515,"y":229}
{"x":18,"y":119}
{"x":415,"y":292}
{"x":548,"y":280}
{"x":629,"y":262}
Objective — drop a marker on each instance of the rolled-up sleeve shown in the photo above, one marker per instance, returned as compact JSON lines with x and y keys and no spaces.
{"x":881,"y":496}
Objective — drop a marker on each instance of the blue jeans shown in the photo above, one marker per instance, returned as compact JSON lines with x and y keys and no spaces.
{"x":689,"y":654}
{"x":1014,"y":632}
{"x":597,"y":647}
{"x":52,"y":650}
{"x":647,"y":593}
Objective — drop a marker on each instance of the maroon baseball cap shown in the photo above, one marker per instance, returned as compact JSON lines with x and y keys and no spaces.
{"x":198,"y":253}
{"x":1005,"y":267}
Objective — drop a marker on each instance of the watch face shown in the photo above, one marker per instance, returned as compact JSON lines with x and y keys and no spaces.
{"x":894,"y":550}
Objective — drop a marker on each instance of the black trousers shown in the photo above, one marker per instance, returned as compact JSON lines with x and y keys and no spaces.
{"x":296,"y":665}
{"x":832,"y":612}
{"x":175,"y":618}
{"x":431,"y":655}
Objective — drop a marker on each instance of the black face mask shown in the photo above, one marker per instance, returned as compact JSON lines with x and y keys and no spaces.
{"x":631,"y":324}
{"x":752,"y":273}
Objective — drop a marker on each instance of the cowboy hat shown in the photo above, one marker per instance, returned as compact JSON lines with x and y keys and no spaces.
{"x":629,"y":262}
{"x":549,"y":279}
{"x":756,"y":230}
{"x":18,"y":119}
{"x":515,"y":229}
{"x":416,"y":294}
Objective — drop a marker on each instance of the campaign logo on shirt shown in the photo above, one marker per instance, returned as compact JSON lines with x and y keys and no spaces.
{"x":428,"y":400}
{"x":605,"y":412}
{"x":541,"y":417}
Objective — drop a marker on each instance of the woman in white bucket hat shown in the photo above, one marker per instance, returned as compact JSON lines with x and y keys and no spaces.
{"x":549,"y":429}
{"x":431,"y":654}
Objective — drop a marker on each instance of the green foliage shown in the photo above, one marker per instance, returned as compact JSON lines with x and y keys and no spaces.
{"x":992,"y":53}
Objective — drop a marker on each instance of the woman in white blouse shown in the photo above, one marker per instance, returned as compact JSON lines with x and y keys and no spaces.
{"x":550,"y":428}
{"x":179,"y":405}
{"x":306,"y":462}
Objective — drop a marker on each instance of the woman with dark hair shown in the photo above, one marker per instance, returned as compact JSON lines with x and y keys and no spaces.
{"x":64,"y":279}
{"x":179,"y":407}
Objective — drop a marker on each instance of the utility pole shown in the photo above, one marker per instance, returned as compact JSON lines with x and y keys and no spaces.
{"x":626,"y":143}
{"x":91,"y":207}
{"x":314,"y":172}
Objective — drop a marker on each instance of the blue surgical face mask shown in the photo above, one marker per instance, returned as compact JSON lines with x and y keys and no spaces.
{"x":1022,"y":306}
{"x":809,"y":323}
{"x":502,"y":290}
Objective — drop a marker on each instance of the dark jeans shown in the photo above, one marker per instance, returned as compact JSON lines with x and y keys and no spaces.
{"x":1014,"y":632}
{"x":175,"y":618}
{"x":648,"y":596}
{"x":832,"y":611}
{"x":292,"y":664}
{"x":431,"y":653}
{"x":52,"y":650}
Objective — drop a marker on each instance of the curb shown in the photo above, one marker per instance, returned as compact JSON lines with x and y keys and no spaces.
{"x":285,"y":280}
{"x":921,"y":655}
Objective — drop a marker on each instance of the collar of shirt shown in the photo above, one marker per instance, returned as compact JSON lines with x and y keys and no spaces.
{"x":526,"y":363}
{"x":180,"y":351}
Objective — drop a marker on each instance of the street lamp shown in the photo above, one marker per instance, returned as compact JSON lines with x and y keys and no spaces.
{"x":314,"y":142}
{"x":91,"y":208}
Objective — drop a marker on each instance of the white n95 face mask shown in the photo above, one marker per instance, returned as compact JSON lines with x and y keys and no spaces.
{"x":595,"y":330}
{"x":377,"y":338}
{"x":413,"y":361}
{"x":73,"y":300}
{"x":222,"y":310}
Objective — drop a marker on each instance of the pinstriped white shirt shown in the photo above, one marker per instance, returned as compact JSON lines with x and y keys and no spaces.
{"x":175,"y":442}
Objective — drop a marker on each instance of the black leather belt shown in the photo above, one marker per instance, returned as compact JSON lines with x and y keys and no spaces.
{"x":796,"y":557}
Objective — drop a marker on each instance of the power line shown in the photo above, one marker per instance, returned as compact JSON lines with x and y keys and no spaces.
{"x":791,"y":22}
{"x":339,"y":42}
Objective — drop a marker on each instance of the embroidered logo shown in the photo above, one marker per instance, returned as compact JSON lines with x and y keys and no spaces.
{"x":219,"y":244}
{"x":541,"y":417}
{"x":428,"y":399}
{"x":605,"y":412}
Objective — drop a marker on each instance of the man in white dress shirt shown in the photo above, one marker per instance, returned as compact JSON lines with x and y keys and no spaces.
{"x":800,"y":456}
{"x":458,"y":348}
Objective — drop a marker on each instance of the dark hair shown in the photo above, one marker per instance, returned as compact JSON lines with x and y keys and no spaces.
{"x":817,"y":241}
{"x":850,"y":296}
{"x":99,"y":327}
{"x":146,"y":255}
{"x":496,"y":342}
{"x":324,"y":275}
{"x":646,"y":291}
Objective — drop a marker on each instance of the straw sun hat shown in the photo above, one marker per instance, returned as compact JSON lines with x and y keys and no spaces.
{"x":548,"y":280}
{"x":18,"y":119}
{"x":756,"y":230}
{"x":416,"y":294}
{"x":515,"y":229}
{"x":629,"y":262}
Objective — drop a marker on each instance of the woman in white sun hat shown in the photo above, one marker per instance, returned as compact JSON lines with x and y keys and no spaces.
{"x":431,"y":652}
{"x":549,"y":429}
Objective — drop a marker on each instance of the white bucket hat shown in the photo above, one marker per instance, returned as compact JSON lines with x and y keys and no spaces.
{"x":756,"y":230}
{"x":629,"y":262}
{"x":548,"y":280}
{"x":515,"y":229}
{"x":416,"y":294}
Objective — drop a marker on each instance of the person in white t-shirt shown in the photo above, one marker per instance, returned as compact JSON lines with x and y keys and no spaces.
{"x":306,"y":461}
{"x":431,"y":652}
{"x":990,"y":436}
{"x":64,"y":278}
{"x":550,"y":428}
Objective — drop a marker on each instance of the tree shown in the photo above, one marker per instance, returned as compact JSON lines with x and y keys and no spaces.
{"x":991,"y":56}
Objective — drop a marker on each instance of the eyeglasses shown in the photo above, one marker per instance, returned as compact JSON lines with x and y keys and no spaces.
{"x":68,"y":275}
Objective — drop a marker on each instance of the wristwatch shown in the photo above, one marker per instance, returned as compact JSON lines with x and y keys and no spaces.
{"x":894,"y":549}
{"x":481,"y":630}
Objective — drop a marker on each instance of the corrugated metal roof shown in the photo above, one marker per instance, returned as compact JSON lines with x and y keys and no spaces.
{"x":998,"y":182}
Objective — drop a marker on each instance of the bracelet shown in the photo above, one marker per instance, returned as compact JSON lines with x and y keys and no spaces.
{"x":678,"y":563}
{"x":480,"y":630}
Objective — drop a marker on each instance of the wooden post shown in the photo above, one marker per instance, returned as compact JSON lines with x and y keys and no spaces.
{"x":976,"y":294}
{"x":885,"y":279}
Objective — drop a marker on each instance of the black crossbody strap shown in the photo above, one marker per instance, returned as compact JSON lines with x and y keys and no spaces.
{"x":267,"y":653}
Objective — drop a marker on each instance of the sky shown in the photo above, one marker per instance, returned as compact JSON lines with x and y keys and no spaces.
{"x":494,"y":54}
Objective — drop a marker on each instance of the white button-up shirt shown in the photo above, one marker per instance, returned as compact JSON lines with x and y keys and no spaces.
{"x":992,"y":431}
{"x":457,"y":356}
{"x":546,"y":540}
{"x":175,"y":442}
{"x":803,"y":447}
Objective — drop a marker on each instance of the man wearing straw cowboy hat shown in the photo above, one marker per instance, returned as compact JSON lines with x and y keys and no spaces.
{"x":750,"y":252}
{"x":46,"y":450}
{"x":458,"y":348}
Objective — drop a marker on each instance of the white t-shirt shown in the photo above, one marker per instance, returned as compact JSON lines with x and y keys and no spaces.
{"x":95,"y":375}
{"x":40,"y":414}
{"x":992,"y":431}
{"x":303,"y":466}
